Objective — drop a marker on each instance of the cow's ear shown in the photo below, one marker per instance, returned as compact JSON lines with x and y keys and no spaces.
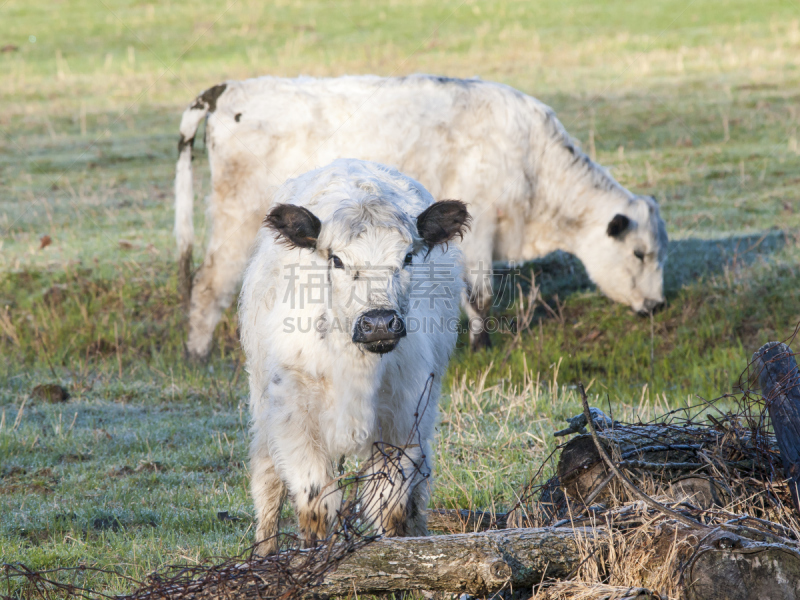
{"x":618,"y":225}
{"x":296,"y":225}
{"x":442,"y":221}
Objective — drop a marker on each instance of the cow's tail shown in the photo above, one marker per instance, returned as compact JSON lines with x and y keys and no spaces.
{"x":184,"y":194}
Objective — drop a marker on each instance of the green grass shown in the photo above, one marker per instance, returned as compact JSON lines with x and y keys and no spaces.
{"x":694,"y":102}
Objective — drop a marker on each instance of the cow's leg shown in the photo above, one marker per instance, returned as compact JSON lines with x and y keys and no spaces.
{"x":315,"y":496}
{"x":269,"y":493}
{"x":215,"y":285}
{"x":477,"y":313}
{"x":397,"y":491}
{"x":478,"y":301}
{"x":478,"y":248}
{"x":415,"y":512}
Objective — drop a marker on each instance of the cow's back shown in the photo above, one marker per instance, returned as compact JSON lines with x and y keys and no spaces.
{"x":437,"y":130}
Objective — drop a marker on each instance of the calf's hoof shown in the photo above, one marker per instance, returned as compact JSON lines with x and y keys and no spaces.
{"x":266,"y":547}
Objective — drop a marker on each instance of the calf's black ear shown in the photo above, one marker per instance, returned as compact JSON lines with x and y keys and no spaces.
{"x":618,"y":225}
{"x":442,"y":221}
{"x":296,"y":225}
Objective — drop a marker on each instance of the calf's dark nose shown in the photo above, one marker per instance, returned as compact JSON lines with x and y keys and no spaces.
{"x":379,"y":325}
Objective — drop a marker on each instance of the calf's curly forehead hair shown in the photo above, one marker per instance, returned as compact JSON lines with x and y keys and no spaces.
{"x":354,"y":217}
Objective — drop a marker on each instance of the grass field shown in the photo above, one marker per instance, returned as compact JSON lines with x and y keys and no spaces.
{"x":696,"y":102}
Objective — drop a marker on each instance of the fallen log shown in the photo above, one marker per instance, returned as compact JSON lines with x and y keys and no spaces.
{"x":476,"y":564}
{"x":521,"y":559}
{"x":472,"y":563}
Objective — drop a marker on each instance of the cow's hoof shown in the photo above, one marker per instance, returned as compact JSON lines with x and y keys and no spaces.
{"x":196,"y":358}
{"x":480,"y":341}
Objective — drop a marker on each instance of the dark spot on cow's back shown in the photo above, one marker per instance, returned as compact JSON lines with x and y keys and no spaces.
{"x":208,"y":99}
{"x":237,"y":117}
{"x":443,"y":80}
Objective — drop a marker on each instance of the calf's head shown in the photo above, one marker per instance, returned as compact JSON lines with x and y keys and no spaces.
{"x":625,"y":256}
{"x":367,"y":249}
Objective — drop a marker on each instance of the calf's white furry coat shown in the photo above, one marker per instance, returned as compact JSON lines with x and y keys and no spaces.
{"x":341,"y":243}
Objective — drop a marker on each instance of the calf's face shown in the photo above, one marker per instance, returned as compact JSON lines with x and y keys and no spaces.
{"x":368,"y":249}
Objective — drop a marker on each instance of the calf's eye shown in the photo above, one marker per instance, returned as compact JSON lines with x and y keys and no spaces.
{"x":408,"y":259}
{"x":639,"y":254}
{"x":337,"y":262}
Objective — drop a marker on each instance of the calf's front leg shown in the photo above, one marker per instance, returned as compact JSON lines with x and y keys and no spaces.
{"x":307,"y":473}
{"x":315,"y":497}
{"x":396,"y":493}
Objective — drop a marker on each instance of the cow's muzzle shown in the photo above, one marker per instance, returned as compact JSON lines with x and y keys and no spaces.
{"x":651,"y":307}
{"x":379,"y":330}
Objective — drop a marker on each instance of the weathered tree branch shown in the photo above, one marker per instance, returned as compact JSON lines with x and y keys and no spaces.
{"x":475,"y":563}
{"x":780,"y":386}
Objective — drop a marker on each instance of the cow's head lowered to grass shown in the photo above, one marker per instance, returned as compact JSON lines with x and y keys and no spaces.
{"x":625,"y":254}
{"x":367,"y":247}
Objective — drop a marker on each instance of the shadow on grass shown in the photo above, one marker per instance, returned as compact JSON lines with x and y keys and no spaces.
{"x":690,"y":260}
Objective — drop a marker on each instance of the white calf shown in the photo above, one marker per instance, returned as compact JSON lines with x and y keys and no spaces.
{"x":505,"y":154}
{"x":349,"y":304}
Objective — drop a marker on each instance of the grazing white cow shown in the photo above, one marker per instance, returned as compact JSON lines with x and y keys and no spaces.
{"x":350,"y":303}
{"x":505,"y":154}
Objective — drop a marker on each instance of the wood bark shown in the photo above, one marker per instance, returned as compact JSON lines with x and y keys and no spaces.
{"x":757,"y":572}
{"x":474,"y":563}
{"x":780,"y":387}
